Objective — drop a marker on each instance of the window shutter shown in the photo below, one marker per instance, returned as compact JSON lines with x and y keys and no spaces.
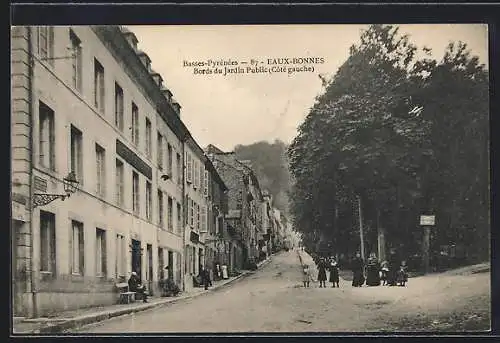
{"x":205,"y":191}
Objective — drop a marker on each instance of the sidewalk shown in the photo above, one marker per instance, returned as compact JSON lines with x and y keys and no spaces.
{"x":70,"y":319}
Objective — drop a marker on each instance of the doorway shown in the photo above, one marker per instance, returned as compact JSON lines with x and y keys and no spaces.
{"x":149,"y":271}
{"x":200,"y":260}
{"x":170,"y":264}
{"x":136,"y":257}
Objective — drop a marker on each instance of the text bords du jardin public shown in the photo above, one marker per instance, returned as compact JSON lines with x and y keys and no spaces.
{"x":288,"y":65}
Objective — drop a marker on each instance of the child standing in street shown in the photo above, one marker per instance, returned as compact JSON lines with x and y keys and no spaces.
{"x":306,"y":276}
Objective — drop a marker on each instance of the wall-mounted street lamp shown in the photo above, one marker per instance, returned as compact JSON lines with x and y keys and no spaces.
{"x":70,"y":186}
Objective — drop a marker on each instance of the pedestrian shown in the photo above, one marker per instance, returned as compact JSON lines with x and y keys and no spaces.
{"x":393,"y":268}
{"x":402,"y":275}
{"x":205,"y":278}
{"x":384,"y":270}
{"x":357,"y":267}
{"x":306,"y":276}
{"x":134,"y":285}
{"x":372,"y":271}
{"x":334,"y":273}
{"x":322,"y":272}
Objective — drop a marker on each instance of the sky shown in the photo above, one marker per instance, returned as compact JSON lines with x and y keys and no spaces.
{"x":246,"y":108}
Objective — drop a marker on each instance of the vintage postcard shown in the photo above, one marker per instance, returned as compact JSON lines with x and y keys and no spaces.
{"x":250,"y":179}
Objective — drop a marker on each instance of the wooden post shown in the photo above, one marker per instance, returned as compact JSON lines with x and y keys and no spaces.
{"x":426,"y":248}
{"x":361,"y":235}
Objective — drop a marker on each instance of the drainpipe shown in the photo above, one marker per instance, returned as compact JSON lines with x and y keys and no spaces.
{"x":31,"y":96}
{"x":183,"y":253}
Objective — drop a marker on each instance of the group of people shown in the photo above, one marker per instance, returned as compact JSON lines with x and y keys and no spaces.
{"x":389,"y":273}
{"x":167,"y":285}
{"x":323,"y":265}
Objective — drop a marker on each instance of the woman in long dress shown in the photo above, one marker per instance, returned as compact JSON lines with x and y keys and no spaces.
{"x":334,"y":273}
{"x":322,"y":273}
{"x":372,"y":271}
{"x":358,"y":278}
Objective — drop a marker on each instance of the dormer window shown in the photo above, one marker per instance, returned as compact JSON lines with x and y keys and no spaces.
{"x":146,"y":61}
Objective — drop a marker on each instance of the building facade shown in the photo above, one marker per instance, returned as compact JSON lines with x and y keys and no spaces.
{"x":195,"y":199}
{"x":85,"y":100}
{"x":216,"y":239}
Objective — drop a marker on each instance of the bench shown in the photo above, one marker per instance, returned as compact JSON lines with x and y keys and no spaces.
{"x":125,"y":296}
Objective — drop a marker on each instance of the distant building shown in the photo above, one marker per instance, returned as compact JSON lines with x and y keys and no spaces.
{"x":244,"y":201}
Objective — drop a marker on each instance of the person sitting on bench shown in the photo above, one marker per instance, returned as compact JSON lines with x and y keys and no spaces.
{"x":134,"y":285}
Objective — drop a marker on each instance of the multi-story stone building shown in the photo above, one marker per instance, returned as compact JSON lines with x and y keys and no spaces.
{"x":196,"y":187}
{"x":85,"y":100}
{"x":245,"y":198}
{"x":216,"y":239}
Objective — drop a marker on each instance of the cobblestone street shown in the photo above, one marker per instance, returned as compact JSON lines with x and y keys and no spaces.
{"x":273,"y":300}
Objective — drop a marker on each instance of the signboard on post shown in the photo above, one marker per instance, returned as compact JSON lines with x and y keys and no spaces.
{"x":427,"y":220}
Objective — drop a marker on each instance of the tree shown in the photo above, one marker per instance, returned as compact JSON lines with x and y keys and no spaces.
{"x":381,"y":131}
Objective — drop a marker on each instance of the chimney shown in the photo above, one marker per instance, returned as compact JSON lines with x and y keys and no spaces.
{"x":145,"y":59}
{"x":130,"y":37}
{"x":157,"y":77}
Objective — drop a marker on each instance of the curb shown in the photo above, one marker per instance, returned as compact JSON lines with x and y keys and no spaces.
{"x":94,"y":318}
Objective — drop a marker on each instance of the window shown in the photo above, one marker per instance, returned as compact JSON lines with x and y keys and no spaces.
{"x":169,"y":152}
{"x":195,"y":171}
{"x":179,"y":169}
{"x":179,"y":218}
{"x":202,"y":178}
{"x":47,"y":242}
{"x":135,"y":193}
{"x":170,"y":214}
{"x":100,"y":158}
{"x":100,"y":244}
{"x":203,"y":219}
{"x":135,"y":125}
{"x":77,"y":248}
{"x":149,"y":200}
{"x":159,"y":151}
{"x":189,"y":168}
{"x":120,"y":256}
{"x":76,"y":62}
{"x":205,"y":186}
{"x":148,"y":138}
{"x":118,"y":107}
{"x":119,"y":182}
{"x":98,"y":86}
{"x":198,"y":217}
{"x":160,"y":209}
{"x":191,"y":213}
{"x":76,"y":159}
{"x":46,"y":136}
{"x":46,"y":43}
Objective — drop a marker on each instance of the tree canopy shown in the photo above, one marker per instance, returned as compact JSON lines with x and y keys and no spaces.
{"x":406,"y":134}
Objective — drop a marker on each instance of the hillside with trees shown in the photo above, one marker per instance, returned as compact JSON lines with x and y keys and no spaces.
{"x":269,"y":162}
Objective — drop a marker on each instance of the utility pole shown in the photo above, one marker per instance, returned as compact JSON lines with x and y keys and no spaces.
{"x":361,"y":235}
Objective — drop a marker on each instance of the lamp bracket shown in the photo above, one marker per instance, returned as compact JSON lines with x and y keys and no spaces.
{"x":41,"y":199}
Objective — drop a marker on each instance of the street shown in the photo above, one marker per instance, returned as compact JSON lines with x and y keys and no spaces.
{"x":273,"y":300}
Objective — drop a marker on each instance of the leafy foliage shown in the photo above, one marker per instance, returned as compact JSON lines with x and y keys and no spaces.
{"x":382,"y":131}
